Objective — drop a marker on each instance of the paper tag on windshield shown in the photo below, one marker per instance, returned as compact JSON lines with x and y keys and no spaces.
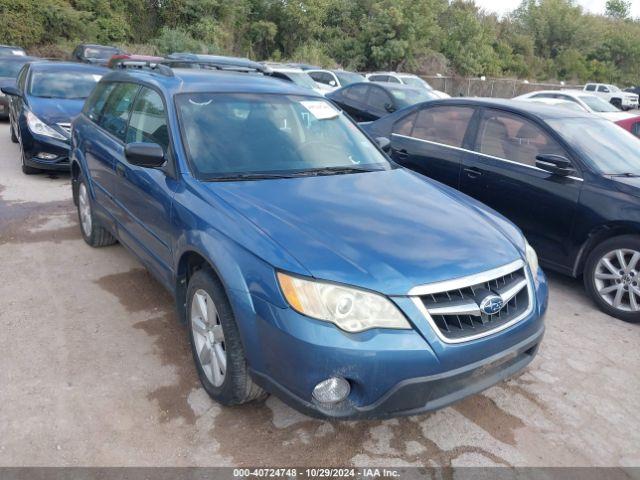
{"x":20,"y":53}
{"x":97,"y":77}
{"x":320,"y":110}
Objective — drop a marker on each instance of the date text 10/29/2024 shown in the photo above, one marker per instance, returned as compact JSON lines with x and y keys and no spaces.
{"x":316,"y":472}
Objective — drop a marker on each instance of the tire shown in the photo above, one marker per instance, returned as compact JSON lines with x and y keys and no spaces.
{"x":612,"y":277}
{"x":214,"y":336}
{"x":27,"y":170}
{"x":14,"y":137}
{"x":616,"y":102}
{"x":92,"y":231}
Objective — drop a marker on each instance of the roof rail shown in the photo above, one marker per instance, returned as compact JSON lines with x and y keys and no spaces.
{"x":158,"y":67}
{"x":215,"y":62}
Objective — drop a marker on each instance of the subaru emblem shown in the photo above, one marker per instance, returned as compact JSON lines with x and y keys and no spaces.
{"x":491,"y":304}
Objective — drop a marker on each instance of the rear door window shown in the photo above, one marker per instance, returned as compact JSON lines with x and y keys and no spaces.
{"x":591,"y":88}
{"x":115,"y":114}
{"x":404,"y":126}
{"x":446,"y":125}
{"x":378,"y":99}
{"x":356,"y":93}
{"x":148,"y":123}
{"x":514,"y":138}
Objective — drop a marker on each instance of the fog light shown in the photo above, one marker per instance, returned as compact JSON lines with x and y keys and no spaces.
{"x":332,"y":390}
{"x":46,"y":156}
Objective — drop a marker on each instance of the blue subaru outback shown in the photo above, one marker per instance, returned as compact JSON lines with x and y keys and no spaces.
{"x":305,"y":263}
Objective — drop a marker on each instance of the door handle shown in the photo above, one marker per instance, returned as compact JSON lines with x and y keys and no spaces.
{"x":120,"y":170}
{"x":402,"y":154}
{"x":473,"y":172}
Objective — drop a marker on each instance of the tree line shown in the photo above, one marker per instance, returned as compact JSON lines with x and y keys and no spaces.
{"x":539,"y":40}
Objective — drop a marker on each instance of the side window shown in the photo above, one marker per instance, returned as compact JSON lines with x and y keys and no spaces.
{"x":116,"y":110}
{"x":393,"y":79}
{"x":514,"y":138}
{"x":591,"y":88}
{"x":378,"y":78}
{"x":95,"y":103}
{"x":356,"y":93}
{"x":446,"y":125}
{"x":404,"y":126}
{"x":378,"y":98}
{"x":148,"y":123}
{"x":602,"y":88}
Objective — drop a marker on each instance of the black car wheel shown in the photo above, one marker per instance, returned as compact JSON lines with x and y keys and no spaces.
{"x":612,"y":277}
{"x":215,"y":342}
{"x":26,"y":169}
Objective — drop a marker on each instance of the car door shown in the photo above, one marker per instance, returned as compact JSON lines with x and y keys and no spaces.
{"x":503,"y":174}
{"x":106,"y":145}
{"x":352,"y":99}
{"x":379,"y":104}
{"x":434,"y":141}
{"x":145,"y":194}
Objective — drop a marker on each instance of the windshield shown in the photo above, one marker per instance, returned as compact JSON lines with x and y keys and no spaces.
{"x":12,"y":51}
{"x":242,"y":135}
{"x":609,"y":148}
{"x":302,"y":79}
{"x":67,"y":85}
{"x":597,"y":104}
{"x":10,"y":68}
{"x":416,"y":82}
{"x":347,"y":78}
{"x":405,"y":97}
{"x":99,"y":53}
{"x":613,"y":88}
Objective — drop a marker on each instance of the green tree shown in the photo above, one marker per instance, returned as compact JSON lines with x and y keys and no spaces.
{"x":620,"y":9}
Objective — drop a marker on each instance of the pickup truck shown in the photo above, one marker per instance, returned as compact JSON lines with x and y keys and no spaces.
{"x":615,"y":96}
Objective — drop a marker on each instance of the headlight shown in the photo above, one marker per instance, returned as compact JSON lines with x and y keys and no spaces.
{"x":38,"y":127}
{"x":532,"y":260}
{"x":351,"y":309}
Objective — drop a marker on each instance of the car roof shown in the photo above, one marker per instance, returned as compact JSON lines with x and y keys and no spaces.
{"x":185,"y":80}
{"x":19,"y":58}
{"x":536,"y":109}
{"x":46,"y":65}
{"x":95,"y":45}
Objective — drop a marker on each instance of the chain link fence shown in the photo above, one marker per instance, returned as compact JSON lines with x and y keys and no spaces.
{"x":490,"y":87}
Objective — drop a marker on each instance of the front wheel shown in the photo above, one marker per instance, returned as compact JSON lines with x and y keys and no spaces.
{"x":612,"y":279}
{"x":14,"y":137}
{"x":215,"y":342}
{"x":93,"y":232}
{"x":26,"y":169}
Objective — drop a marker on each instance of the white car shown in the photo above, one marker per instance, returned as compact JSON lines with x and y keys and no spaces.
{"x":406,"y":79}
{"x":613,"y":95}
{"x":295,"y":75}
{"x":334,"y":79}
{"x":587,"y":102}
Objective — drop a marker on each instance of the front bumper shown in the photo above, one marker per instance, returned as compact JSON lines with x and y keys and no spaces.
{"x":629,"y":102}
{"x":391,"y":372}
{"x":36,"y":145}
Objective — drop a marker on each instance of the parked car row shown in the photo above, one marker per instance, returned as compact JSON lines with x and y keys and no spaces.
{"x":395,"y":284}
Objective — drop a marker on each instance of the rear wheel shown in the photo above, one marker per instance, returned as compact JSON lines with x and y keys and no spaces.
{"x":612,"y":277}
{"x":616,"y":102}
{"x":215,"y":342}
{"x":92,"y":231}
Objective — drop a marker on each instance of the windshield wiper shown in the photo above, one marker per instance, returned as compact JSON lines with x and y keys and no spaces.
{"x":626,"y":174}
{"x":340,"y":170}
{"x":252,"y":176}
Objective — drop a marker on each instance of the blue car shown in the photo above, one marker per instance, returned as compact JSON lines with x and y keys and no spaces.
{"x":303,"y":262}
{"x":45,"y":98}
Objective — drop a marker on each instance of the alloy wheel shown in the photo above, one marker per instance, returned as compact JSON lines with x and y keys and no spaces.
{"x":616,"y":279}
{"x":208,"y":337}
{"x":84,"y":208}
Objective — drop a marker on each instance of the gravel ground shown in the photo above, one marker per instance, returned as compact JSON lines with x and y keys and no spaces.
{"x":96,"y":371}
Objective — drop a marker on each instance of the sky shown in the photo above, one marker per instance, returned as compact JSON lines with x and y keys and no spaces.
{"x":594,"y":6}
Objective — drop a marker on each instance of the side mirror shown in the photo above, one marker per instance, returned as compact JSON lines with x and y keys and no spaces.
{"x":12,"y":91}
{"x":147,"y":155}
{"x":384,"y":143}
{"x":556,"y":164}
{"x":389,"y":107}
{"x":332,"y":83}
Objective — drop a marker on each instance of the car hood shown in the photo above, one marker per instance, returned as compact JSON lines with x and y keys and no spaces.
{"x":616,"y":116}
{"x":55,"y":110}
{"x":387,"y":231}
{"x":628,"y":185}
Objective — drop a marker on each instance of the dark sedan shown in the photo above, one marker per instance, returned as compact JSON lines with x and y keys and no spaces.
{"x":12,"y":51}
{"x":9,"y":68}
{"x":44,"y":100}
{"x":366,"y":102}
{"x":570,"y":180}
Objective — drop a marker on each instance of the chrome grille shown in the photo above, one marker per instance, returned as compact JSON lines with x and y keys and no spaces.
{"x":456,"y":312}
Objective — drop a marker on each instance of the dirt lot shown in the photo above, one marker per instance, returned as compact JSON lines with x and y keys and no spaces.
{"x":96,"y":371}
